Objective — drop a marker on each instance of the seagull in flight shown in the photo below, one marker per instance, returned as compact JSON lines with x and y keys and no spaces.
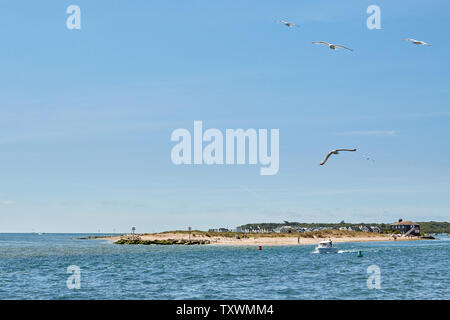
{"x":287,"y":24}
{"x":368,"y":158}
{"x":418,"y":42}
{"x":334,"y":152}
{"x":332,"y":46}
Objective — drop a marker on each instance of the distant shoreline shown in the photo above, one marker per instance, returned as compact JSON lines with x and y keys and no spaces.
{"x":261,"y":239}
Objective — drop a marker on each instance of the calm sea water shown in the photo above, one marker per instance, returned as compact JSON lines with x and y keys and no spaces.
{"x":35,"y":267}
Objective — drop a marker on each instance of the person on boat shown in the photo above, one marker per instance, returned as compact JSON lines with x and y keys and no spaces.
{"x":331,"y":243}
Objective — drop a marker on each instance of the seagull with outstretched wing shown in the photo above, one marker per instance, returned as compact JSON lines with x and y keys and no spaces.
{"x":334,"y":152}
{"x":332,"y":46}
{"x":418,"y":42}
{"x":287,"y":24}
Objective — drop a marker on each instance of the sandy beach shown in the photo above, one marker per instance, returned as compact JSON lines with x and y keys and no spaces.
{"x":266,"y":239}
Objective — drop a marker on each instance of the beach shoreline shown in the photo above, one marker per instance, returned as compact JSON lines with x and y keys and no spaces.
{"x":261,"y":239}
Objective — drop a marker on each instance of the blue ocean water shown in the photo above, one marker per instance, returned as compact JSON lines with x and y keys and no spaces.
{"x":34,"y":266}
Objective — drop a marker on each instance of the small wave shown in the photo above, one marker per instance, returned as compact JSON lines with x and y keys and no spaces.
{"x":347,"y":251}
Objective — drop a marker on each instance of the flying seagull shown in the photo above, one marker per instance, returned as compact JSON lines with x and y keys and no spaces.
{"x":332,"y":46}
{"x":334,"y":152}
{"x":418,"y":42}
{"x":287,"y":24}
{"x":368,"y":158}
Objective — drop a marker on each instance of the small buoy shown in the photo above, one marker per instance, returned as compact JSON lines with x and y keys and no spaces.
{"x":359,"y":254}
{"x":259,"y":247}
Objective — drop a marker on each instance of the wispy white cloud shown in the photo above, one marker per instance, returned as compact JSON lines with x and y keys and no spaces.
{"x":6,"y":202}
{"x":372,"y":133}
{"x":88,"y":129}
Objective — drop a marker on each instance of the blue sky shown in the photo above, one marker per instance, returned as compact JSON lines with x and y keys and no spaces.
{"x":86,"y":115}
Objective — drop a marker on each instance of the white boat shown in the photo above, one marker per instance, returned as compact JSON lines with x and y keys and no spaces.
{"x":326,"y":247}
